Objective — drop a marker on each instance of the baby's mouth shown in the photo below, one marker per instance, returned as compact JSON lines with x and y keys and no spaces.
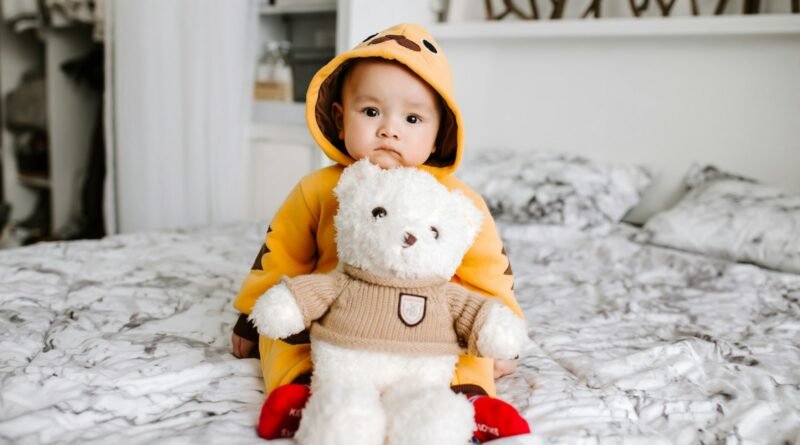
{"x":388,"y":150}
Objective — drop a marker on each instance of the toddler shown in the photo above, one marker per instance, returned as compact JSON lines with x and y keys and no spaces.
{"x":390,"y":100}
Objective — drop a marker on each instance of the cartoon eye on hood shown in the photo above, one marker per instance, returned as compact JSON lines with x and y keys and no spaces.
{"x":430,"y":46}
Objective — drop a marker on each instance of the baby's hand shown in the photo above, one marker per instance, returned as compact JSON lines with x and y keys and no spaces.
{"x":242,"y":347}
{"x":504,"y":367}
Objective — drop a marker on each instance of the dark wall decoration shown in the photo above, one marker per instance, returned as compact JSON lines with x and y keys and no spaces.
{"x":529,"y":9}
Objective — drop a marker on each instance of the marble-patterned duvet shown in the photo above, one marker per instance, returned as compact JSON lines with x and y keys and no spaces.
{"x":640,"y":344}
{"x":126,"y":340}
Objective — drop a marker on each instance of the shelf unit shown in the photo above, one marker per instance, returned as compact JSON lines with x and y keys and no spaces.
{"x":310,"y":27}
{"x":296,"y":7}
{"x":281,"y":148}
{"x":41,"y":182}
{"x":71,"y":113}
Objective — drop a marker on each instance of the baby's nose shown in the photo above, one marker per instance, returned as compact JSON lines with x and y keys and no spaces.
{"x":387,"y":130}
{"x":409,"y":240}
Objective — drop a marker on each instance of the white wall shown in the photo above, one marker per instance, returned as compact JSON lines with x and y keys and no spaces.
{"x":668,"y":101}
{"x":358,"y":19}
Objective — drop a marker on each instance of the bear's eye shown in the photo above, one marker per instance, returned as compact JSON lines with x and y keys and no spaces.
{"x":435,"y":232}
{"x":378,"y":212}
{"x":430,"y":46}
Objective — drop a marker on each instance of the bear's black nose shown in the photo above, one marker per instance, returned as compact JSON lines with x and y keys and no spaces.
{"x":409,"y":240}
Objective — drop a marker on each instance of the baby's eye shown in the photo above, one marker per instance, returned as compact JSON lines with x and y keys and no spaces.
{"x":370,"y":111}
{"x":435,"y":232}
{"x":411,"y":119}
{"x":378,"y":212}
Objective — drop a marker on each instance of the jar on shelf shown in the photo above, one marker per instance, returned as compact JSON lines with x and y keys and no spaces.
{"x":273,"y":73}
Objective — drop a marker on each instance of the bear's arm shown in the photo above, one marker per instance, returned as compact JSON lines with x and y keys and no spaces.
{"x":315,"y":293}
{"x":469,"y":311}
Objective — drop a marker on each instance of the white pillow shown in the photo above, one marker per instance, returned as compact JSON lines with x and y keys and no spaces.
{"x":732,"y":217}
{"x":554,"y":188}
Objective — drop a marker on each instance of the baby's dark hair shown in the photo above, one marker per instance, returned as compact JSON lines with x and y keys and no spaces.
{"x":331,"y":91}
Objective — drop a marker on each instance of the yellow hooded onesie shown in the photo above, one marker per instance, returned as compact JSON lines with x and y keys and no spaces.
{"x":300,"y":239}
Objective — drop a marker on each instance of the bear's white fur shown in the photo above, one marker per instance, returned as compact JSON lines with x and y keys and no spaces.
{"x":370,"y":397}
{"x":282,"y":311}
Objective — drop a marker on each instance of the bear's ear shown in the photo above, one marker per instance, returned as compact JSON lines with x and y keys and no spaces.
{"x":354,"y":177}
{"x":468,"y":212}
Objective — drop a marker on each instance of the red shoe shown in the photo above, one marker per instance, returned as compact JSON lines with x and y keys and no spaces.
{"x":281,"y":413}
{"x":495,"y":418}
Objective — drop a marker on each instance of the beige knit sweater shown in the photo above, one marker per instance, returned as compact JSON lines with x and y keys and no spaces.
{"x":360,"y":310}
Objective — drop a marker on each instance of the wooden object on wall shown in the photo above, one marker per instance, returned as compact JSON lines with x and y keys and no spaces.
{"x":558,"y":8}
{"x":511,"y":8}
{"x":751,"y":6}
{"x":695,"y":8}
{"x":637,"y":10}
{"x":594,"y":9}
{"x":665,"y":7}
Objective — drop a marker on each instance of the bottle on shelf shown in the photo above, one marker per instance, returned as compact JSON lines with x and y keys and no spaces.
{"x":274,"y":74}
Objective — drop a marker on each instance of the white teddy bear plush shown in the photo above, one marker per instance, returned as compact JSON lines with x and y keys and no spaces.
{"x":388,"y":325}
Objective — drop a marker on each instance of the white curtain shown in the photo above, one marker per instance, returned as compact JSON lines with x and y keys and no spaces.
{"x":181,"y":101}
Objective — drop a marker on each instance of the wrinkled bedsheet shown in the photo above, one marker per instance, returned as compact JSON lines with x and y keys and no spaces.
{"x":127,"y":340}
{"x":639,"y":344}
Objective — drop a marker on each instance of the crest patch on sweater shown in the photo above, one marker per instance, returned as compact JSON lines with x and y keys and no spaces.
{"x":412,"y":309}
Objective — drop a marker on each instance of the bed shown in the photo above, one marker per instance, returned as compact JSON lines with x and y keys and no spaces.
{"x":126,"y":339}
{"x":636,"y":343}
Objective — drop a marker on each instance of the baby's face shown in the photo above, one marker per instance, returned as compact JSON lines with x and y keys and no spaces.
{"x":388,"y":115}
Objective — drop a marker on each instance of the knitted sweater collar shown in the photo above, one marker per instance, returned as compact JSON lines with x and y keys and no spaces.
{"x":363,"y":275}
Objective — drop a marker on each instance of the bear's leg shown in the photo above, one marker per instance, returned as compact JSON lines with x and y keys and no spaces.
{"x":342,"y":416}
{"x":427,"y":415}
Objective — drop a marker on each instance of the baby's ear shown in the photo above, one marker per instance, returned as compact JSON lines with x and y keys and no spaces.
{"x":338,"y":118}
{"x":354,"y":176}
{"x":470,"y":214}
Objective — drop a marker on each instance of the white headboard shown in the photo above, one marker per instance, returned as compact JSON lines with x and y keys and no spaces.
{"x":666,"y":93}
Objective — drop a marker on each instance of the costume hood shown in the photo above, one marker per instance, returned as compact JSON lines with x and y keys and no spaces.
{"x":412,"y":46}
